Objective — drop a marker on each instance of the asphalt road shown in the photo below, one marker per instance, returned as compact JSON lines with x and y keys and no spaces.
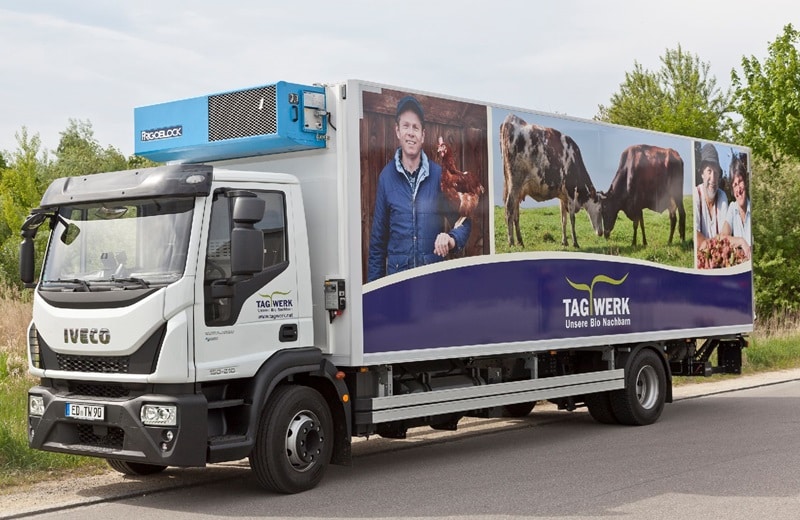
{"x":732,"y":454}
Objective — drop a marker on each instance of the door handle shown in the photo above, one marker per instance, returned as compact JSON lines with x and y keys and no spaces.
{"x":288,"y":332}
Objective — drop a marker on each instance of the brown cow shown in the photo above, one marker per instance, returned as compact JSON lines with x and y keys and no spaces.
{"x":647,"y":177}
{"x":542,"y":163}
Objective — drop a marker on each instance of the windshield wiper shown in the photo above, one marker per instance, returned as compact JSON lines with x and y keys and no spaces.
{"x":131,"y":279}
{"x":77,"y":281}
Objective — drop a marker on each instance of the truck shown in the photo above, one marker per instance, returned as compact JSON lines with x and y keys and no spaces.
{"x":307,"y":265}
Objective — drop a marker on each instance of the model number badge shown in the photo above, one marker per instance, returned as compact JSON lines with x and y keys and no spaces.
{"x":222,"y":371}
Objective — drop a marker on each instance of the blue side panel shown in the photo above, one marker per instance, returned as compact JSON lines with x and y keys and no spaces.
{"x":171,"y":129}
{"x":277,"y":118}
{"x":547,"y":299}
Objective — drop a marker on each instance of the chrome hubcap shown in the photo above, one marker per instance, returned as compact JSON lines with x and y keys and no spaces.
{"x":647,"y":387}
{"x":304,"y":439}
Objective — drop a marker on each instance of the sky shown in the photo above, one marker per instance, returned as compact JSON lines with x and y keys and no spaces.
{"x":96,"y":60}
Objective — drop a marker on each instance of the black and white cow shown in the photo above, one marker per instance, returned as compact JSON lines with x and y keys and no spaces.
{"x":544,"y":164}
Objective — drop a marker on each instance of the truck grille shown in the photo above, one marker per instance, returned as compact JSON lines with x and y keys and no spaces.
{"x":101,"y":436}
{"x":244,"y":113}
{"x":98,"y":390}
{"x":104,"y":365}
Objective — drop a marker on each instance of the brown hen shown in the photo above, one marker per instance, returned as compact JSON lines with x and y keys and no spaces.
{"x":462,"y":189}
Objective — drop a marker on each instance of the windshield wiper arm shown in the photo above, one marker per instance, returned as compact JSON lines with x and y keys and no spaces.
{"x":77,"y":281}
{"x":141,"y":281}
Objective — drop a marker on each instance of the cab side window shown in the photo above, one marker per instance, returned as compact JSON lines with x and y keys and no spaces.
{"x":218,"y":252}
{"x":273,"y":227}
{"x":225,"y":295}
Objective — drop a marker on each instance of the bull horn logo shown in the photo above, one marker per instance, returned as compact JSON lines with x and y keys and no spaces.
{"x":600,"y":278}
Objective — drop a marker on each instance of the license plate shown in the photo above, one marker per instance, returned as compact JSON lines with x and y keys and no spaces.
{"x":86,"y":412}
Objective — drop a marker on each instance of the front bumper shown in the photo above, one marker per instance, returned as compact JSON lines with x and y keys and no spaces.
{"x":121,"y":434}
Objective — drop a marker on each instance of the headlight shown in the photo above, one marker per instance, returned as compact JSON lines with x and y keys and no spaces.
{"x":35,"y":405}
{"x":159,"y":415}
{"x":33,"y":347}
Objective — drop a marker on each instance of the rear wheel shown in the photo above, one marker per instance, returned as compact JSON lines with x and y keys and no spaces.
{"x":599,"y":406}
{"x":294,"y":441}
{"x":642,"y":400}
{"x":135,"y":468}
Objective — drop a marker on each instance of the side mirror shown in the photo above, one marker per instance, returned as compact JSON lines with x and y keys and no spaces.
{"x":33,"y":222}
{"x":70,"y":233}
{"x":247,"y":242}
{"x":26,"y":249}
{"x":26,"y":258}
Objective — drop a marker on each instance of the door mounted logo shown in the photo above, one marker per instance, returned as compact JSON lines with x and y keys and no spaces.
{"x":277,"y":305}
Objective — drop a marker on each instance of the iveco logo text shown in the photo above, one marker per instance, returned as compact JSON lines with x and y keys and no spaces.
{"x":87,"y":336}
{"x":162,"y":133}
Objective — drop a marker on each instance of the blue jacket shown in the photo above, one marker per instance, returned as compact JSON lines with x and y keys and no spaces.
{"x":405,"y":223}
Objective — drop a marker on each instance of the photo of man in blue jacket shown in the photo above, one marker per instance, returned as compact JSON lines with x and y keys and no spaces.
{"x":410,"y":211}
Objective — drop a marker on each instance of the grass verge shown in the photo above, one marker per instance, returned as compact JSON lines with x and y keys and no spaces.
{"x":18,"y":463}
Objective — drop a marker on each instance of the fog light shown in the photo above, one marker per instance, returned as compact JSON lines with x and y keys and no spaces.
{"x":159,"y":415}
{"x":168,"y":435}
{"x":35,"y":405}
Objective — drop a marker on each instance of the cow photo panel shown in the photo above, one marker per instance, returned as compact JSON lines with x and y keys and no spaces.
{"x":569,"y":185}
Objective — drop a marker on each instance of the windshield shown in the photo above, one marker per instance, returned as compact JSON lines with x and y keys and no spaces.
{"x":127,"y":244}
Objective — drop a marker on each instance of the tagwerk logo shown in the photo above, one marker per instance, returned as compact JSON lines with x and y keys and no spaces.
{"x":581,"y":313}
{"x":275,"y":306}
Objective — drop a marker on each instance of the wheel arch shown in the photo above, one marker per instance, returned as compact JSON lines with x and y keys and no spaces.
{"x":307,"y":367}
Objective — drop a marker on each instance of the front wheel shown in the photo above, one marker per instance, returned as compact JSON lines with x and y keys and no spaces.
{"x":294,"y":441}
{"x":517,"y":410}
{"x":135,"y":468}
{"x":642,"y":400}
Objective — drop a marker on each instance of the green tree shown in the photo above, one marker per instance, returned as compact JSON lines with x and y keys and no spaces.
{"x":776,"y":235}
{"x":682,"y":97}
{"x":767,"y":95}
{"x":20,"y":190}
{"x":79,"y":153}
{"x":32,"y":169}
{"x":20,"y":186}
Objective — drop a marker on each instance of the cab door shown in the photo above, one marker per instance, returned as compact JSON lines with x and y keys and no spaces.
{"x":241,"y":319}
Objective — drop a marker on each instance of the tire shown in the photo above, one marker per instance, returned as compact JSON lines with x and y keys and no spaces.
{"x":599,"y":406}
{"x":135,"y":468}
{"x":642,"y":400}
{"x":294,"y":442}
{"x":518,"y":410}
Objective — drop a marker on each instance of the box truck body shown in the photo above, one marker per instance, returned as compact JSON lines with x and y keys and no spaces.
{"x":250,"y":298}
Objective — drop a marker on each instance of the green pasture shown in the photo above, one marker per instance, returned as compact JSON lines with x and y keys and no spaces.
{"x":541,"y":231}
